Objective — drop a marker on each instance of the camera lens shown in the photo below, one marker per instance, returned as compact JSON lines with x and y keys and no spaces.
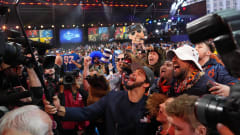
{"x":69,"y":79}
{"x":209,"y":109}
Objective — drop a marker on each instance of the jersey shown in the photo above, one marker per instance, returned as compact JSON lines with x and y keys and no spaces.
{"x":67,"y":61}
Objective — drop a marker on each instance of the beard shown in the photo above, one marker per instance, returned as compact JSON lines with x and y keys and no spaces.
{"x":135,"y":85}
{"x":180,"y":75}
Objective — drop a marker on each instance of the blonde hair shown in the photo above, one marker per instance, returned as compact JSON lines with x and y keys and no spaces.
{"x":183,"y":107}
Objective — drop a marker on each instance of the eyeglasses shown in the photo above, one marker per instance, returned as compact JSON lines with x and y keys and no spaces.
{"x":133,"y":33}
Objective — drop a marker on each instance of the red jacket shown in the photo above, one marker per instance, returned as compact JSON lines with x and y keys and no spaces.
{"x":70,"y":102}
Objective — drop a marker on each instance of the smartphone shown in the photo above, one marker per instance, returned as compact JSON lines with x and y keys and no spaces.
{"x":210,"y":84}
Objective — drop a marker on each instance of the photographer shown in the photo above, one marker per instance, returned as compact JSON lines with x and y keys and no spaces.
{"x":11,"y":55}
{"x":18,"y":95}
{"x":71,"y":95}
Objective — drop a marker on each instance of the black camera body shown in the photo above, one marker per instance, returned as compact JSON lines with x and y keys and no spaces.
{"x":69,"y":77}
{"x":212,"y":109}
{"x":11,"y":53}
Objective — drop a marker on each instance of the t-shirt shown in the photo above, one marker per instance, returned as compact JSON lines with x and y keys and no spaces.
{"x":122,"y":117}
{"x":67,"y":61}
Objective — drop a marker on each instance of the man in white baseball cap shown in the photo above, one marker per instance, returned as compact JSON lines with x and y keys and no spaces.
{"x":188,"y":74}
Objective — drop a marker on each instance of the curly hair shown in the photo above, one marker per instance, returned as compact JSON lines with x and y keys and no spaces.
{"x":99,"y":87}
{"x":153,"y":102}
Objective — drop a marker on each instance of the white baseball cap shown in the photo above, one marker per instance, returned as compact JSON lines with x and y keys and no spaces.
{"x":186,"y":52}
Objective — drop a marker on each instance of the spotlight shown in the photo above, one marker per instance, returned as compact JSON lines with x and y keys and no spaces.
{"x":62,"y":26}
{"x":4,"y":27}
{"x":91,"y":24}
{"x":52,"y":26}
{"x":157,"y":31}
{"x":101,"y":24}
{"x":29,"y":27}
{"x":41,"y":26}
{"x":158,"y":23}
{"x":169,"y":20}
{"x":83,"y":25}
{"x":74,"y":25}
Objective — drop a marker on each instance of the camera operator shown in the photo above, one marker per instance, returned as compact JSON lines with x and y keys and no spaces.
{"x":11,"y":55}
{"x":13,"y":95}
{"x":71,"y":95}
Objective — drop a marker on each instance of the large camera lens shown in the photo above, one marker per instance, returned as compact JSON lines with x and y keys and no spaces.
{"x":209,"y":110}
{"x":69,"y":79}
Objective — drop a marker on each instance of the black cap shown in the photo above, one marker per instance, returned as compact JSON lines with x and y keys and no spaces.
{"x":149,"y":73}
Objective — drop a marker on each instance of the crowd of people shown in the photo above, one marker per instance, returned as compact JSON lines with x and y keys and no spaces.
{"x":115,"y":89}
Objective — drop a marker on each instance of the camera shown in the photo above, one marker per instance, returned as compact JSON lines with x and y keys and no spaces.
{"x":69,"y":77}
{"x":212,"y":109}
{"x":11,"y":53}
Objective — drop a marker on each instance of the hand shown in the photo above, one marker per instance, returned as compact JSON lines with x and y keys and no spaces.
{"x":21,"y":89}
{"x":110,"y":66}
{"x":87,"y":61}
{"x":220,"y":89}
{"x":74,"y":62}
{"x":224,"y":130}
{"x":50,"y":108}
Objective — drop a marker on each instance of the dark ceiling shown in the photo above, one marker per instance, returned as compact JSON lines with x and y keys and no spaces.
{"x":53,"y":12}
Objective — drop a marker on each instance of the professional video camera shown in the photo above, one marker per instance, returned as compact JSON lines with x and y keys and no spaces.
{"x":224,"y":29}
{"x":13,"y":48}
{"x":69,"y":77}
{"x":11,"y":53}
{"x":212,"y":109}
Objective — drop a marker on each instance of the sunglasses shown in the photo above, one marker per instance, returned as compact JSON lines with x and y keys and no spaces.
{"x":139,"y":31}
{"x":120,"y":59}
{"x":151,"y":50}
